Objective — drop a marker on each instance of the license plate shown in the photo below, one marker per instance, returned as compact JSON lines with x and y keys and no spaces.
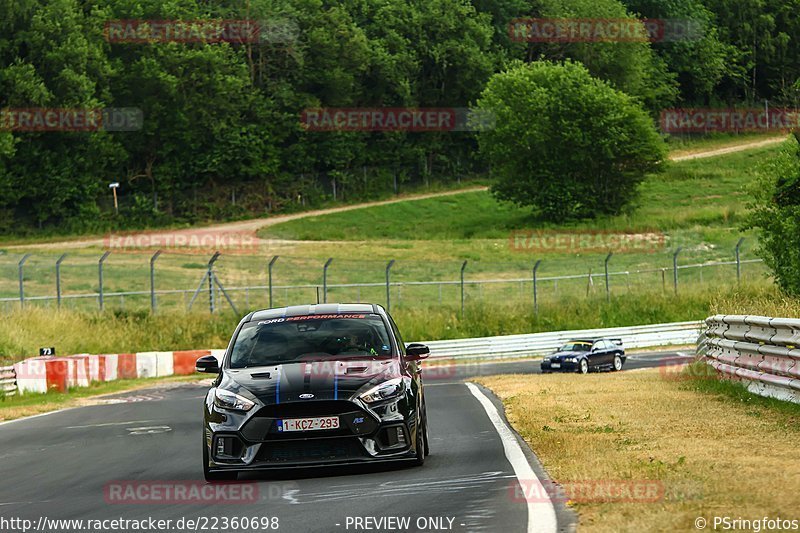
{"x":555,"y":365}
{"x":308,"y":424}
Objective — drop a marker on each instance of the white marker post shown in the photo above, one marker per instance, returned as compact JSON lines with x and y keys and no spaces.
{"x":114,"y":186}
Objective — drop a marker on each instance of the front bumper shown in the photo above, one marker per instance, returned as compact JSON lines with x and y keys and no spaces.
{"x":562,"y":366}
{"x":378,"y":433}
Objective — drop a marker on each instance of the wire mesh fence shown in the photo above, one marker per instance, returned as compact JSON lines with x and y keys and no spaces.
{"x":88,"y":280}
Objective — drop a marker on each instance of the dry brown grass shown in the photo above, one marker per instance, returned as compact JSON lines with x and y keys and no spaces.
{"x":714,"y":456}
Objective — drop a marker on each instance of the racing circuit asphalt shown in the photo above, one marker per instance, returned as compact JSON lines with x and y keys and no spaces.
{"x":60,"y":466}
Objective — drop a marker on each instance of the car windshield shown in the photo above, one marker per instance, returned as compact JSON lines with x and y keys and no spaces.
{"x":310,"y":338}
{"x":576,"y":347}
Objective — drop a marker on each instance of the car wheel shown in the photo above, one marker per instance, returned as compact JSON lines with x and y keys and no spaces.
{"x":422,"y":444}
{"x":584,"y":366}
{"x":617,"y":363}
{"x":212,"y":477}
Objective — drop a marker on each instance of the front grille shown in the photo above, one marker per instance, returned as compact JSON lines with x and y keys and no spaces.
{"x":307,"y":409}
{"x":311,"y":451}
{"x":353,"y":421}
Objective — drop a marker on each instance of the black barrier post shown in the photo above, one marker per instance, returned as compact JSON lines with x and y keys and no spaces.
{"x":58,"y":278}
{"x":269,"y":269}
{"x":100,"y":277}
{"x":325,"y":280}
{"x":153,"y":281}
{"x":388,"y":292}
{"x":608,"y":289}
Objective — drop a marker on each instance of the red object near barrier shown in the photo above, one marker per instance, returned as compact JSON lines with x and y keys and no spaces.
{"x":183,"y":362}
{"x":126,"y":366}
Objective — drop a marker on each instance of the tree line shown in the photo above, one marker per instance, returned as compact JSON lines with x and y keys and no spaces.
{"x":220,"y":135}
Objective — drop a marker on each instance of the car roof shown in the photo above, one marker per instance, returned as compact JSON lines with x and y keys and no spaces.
{"x":318,"y":309}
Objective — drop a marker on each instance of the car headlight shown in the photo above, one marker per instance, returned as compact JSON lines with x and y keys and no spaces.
{"x":545,"y":359}
{"x":384,"y":391}
{"x":228,"y":400}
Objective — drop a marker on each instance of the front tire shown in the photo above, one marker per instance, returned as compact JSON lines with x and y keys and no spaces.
{"x":617,"y":364}
{"x":422,"y":443}
{"x":584,"y":366}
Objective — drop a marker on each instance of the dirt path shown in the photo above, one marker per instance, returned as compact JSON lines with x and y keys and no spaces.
{"x":246,"y":229}
{"x":727,"y":149}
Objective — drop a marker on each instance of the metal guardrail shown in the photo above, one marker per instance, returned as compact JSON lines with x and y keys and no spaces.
{"x":761,"y":352}
{"x":675,"y":333}
{"x":8,"y":381}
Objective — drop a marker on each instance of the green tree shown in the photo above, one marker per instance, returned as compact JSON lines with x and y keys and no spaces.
{"x":775,"y":213}
{"x":565,"y":143}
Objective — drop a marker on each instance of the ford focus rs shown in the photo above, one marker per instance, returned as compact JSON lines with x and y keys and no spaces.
{"x":308,"y":386}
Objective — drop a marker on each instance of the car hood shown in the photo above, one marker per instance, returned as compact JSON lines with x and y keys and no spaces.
{"x":559,"y":355}
{"x":328,"y":380}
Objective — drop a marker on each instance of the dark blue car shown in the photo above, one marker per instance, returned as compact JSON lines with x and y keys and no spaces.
{"x":585,"y":355}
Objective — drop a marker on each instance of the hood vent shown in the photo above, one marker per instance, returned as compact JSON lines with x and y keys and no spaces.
{"x":356,"y":370}
{"x":260,"y":375}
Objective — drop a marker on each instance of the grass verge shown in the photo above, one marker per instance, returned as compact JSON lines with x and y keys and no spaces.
{"x":22,"y":333}
{"x":711,"y":445}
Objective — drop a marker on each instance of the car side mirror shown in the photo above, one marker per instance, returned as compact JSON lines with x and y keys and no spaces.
{"x":207,"y":364}
{"x":417,"y":352}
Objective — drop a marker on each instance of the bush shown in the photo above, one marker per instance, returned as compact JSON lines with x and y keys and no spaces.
{"x":565,"y":143}
{"x":775,"y":212}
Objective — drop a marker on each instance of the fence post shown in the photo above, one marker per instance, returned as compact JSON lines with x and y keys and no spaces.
{"x":58,"y":278}
{"x":388,"y":292}
{"x":210,"y":274}
{"x":325,"y":280}
{"x":738,"y":262}
{"x":608,"y":289}
{"x":20,"y":266}
{"x":269,"y":269}
{"x":100,"y":276}
{"x":675,"y":268}
{"x":153,"y":281}
{"x":463,"y":266}
{"x":536,"y":288}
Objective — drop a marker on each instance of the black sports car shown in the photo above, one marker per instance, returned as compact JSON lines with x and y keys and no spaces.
{"x":583,"y":355}
{"x":314,"y":385}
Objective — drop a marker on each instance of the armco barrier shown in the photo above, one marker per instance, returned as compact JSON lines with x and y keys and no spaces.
{"x":676,"y":333}
{"x":761,"y":352}
{"x":42,"y":374}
